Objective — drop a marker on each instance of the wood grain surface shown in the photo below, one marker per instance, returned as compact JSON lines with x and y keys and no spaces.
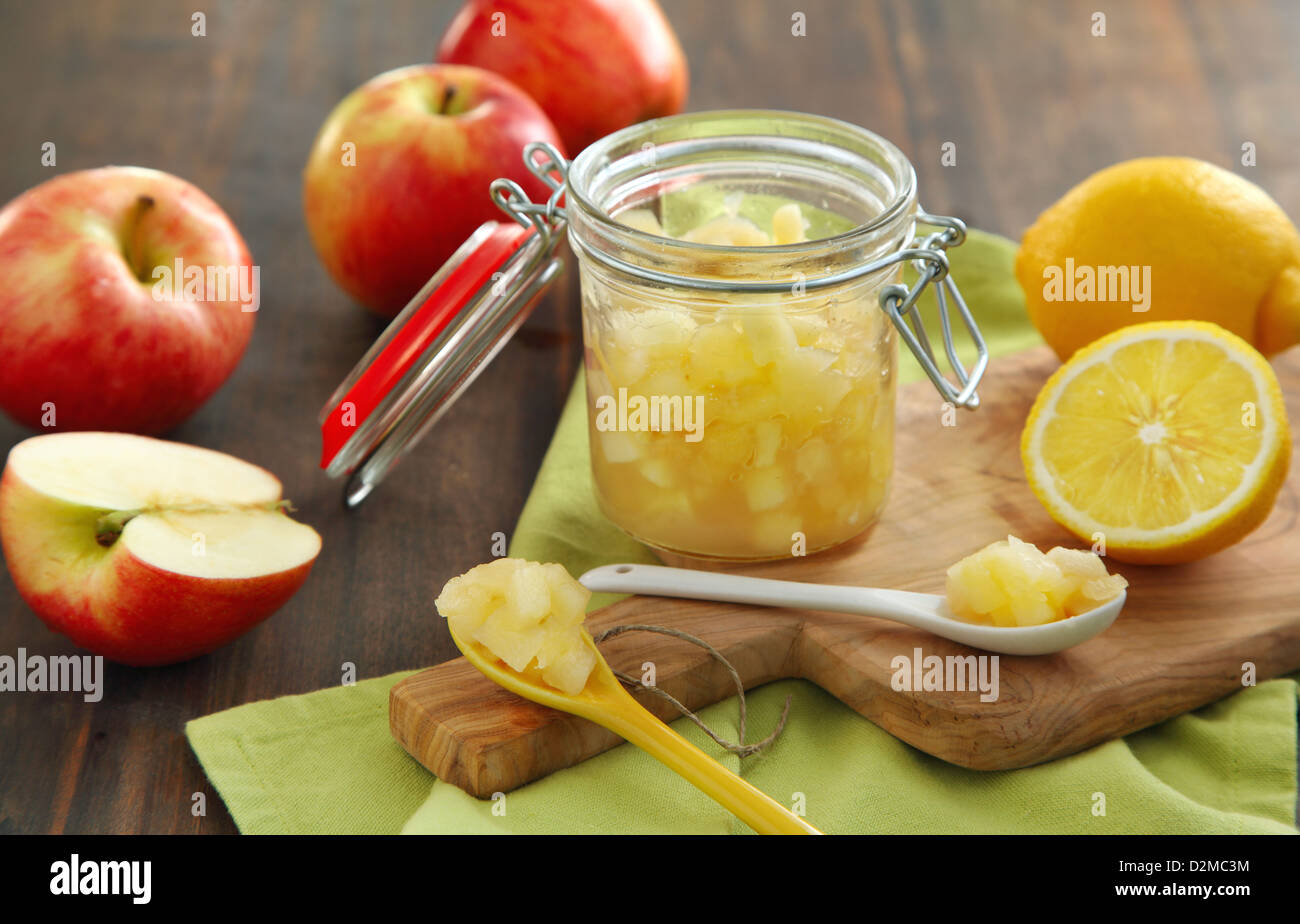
{"x":1031,"y":100}
{"x":1180,"y":642}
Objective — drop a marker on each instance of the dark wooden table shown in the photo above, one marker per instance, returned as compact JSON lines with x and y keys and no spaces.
{"x":1032,"y":101}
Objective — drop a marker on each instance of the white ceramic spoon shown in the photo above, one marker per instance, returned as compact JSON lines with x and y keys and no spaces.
{"x":920,"y":611}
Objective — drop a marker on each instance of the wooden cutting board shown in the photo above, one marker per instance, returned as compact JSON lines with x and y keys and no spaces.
{"x":1180,"y":643}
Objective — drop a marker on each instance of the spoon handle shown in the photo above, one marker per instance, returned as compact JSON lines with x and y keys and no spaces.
{"x":628,"y":718}
{"x":656,"y":580}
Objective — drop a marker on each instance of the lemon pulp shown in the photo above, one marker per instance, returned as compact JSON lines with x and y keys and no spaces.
{"x":1168,"y":439}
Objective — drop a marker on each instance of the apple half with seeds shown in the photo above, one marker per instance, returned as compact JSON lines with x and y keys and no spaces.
{"x":146,"y":551}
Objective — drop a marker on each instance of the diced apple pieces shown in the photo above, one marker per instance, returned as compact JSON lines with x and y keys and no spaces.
{"x":727,"y":447}
{"x":809,"y":329}
{"x":719,"y":357}
{"x":642,"y":220}
{"x":814,"y":460}
{"x":671,"y":506}
{"x":806,"y":364}
{"x":464,"y":605}
{"x":1094,"y":586}
{"x":569,"y":671}
{"x":658,"y":472}
{"x":618,"y":447}
{"x":789,"y":225}
{"x":663,"y":331}
{"x":798,"y":427}
{"x":525,"y":613}
{"x":529,"y":595}
{"x":731,"y":230}
{"x":767,"y":442}
{"x":766,"y":488}
{"x":666,"y":381}
{"x":513,"y":644}
{"x":1012,"y":583}
{"x":728,"y":231}
{"x":771,"y":338}
{"x":641,"y":341}
{"x":568,"y":597}
{"x":776,"y":530}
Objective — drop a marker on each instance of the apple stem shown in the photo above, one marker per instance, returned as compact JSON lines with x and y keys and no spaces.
{"x":135,"y":257}
{"x":109,"y":526}
{"x":448,"y":94}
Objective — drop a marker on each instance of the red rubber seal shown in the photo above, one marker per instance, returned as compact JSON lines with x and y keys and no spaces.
{"x":417,"y":334}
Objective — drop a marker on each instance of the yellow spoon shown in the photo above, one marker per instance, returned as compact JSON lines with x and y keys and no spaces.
{"x":604,"y":701}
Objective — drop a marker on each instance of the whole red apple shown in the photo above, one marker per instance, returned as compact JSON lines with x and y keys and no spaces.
{"x":594,"y":66}
{"x":127,"y":298}
{"x":146,"y":551}
{"x":399,"y":174}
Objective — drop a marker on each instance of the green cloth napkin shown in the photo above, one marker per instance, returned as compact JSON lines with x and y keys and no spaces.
{"x":325,"y":763}
{"x":319,"y":763}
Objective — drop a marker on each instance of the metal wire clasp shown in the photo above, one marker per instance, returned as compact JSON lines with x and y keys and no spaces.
{"x":928,"y":256}
{"x":550,"y":166}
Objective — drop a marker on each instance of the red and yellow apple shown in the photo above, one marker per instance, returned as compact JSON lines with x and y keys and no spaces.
{"x":96,"y":332}
{"x":399,"y":174}
{"x":594,"y":66}
{"x":147,"y":551}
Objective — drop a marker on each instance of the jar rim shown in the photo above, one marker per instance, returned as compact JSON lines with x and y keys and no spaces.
{"x":584,"y":167}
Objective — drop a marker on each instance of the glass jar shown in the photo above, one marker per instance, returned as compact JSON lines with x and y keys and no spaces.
{"x":741,"y":396}
{"x":742,"y":308}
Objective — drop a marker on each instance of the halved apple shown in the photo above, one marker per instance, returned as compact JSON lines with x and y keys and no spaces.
{"x":147,"y":551}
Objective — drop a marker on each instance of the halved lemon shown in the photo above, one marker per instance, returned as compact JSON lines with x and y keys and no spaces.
{"x":1167,"y":440}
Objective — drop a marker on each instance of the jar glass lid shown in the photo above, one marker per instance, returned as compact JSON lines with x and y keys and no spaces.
{"x":435,"y":348}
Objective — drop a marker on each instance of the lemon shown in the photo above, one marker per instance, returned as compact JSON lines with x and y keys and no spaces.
{"x":1162,"y":239}
{"x":1169,"y":439}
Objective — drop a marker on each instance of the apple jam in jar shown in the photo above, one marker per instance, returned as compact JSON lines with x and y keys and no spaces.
{"x":740,"y":369}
